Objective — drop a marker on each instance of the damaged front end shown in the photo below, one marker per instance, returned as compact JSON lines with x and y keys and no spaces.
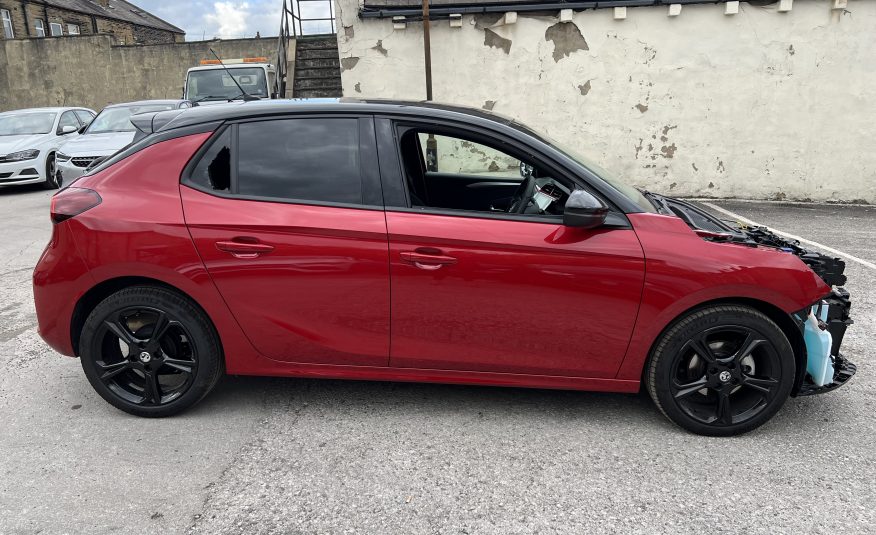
{"x":823,"y":325}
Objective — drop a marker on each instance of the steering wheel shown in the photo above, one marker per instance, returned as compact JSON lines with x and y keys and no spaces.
{"x":520,"y":200}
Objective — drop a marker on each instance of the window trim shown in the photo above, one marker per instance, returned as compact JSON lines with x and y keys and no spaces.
{"x":40,"y":27}
{"x":401,"y":124}
{"x":52,"y":29}
{"x":367,"y":160}
{"x":6,"y":17}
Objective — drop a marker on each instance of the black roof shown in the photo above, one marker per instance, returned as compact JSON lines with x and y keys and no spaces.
{"x":118,"y":10}
{"x":244,"y":110}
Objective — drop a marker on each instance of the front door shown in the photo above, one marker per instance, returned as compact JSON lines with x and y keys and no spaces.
{"x":506,"y":288}
{"x":284,"y":216}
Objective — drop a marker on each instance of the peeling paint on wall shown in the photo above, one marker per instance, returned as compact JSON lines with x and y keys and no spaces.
{"x":641,"y":107}
{"x":379,"y":47}
{"x":349,"y":63}
{"x":584,"y":88}
{"x":567,"y":38}
{"x":495,"y":40}
{"x":488,"y":105}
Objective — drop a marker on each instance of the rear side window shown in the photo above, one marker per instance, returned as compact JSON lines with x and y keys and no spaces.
{"x":213,"y":171}
{"x":300,"y":159}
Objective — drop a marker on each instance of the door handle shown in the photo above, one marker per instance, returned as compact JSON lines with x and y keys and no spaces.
{"x":427,"y":260}
{"x":244,"y":249}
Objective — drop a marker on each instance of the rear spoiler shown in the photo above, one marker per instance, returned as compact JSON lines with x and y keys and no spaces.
{"x":151,"y":122}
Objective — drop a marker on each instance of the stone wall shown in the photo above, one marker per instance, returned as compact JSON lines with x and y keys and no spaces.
{"x":91,"y":71}
{"x":760,"y":104}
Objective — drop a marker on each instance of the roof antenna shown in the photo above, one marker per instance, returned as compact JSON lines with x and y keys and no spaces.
{"x":246,"y":96}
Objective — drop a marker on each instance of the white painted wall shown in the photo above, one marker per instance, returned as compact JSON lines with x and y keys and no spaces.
{"x":760,"y":104}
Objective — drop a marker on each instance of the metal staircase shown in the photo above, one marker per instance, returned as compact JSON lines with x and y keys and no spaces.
{"x":315,"y":67}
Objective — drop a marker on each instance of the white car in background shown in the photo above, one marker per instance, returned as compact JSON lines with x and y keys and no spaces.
{"x":110,"y":132}
{"x":29,"y":140}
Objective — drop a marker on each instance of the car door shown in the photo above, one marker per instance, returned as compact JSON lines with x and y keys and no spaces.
{"x":288,"y":219}
{"x":496,"y":292}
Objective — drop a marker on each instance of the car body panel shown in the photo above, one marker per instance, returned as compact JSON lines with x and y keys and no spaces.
{"x":320,"y":296}
{"x":684,"y":270}
{"x":520,"y":297}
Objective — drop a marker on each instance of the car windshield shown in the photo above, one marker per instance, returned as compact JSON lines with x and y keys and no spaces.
{"x":218,"y":85}
{"x":119,"y":119}
{"x":27,"y":123}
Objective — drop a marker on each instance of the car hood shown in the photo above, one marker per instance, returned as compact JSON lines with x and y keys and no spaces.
{"x":9,"y":144}
{"x":97,"y":144}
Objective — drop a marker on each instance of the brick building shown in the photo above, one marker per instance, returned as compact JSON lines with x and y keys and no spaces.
{"x":23,"y":19}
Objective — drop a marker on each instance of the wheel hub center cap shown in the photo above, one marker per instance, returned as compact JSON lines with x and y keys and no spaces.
{"x":724,"y":376}
{"x":145,"y":357}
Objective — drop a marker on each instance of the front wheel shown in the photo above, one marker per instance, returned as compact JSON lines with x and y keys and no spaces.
{"x":52,"y":180}
{"x":721,"y":370}
{"x":150,"y":351}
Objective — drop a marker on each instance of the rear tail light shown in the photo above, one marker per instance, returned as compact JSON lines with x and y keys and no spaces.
{"x":72,"y":202}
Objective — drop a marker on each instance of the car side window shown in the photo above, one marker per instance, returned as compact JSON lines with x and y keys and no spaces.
{"x":68,"y":118}
{"x":309,"y":159}
{"x":213,"y":171}
{"x":450,"y":172}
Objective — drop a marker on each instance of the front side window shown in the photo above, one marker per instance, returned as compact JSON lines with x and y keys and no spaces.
{"x":300,"y":159}
{"x":40,"y":28}
{"x":118,"y":119}
{"x":56,"y":29}
{"x":451,"y":172}
{"x":7,"y":23}
{"x":85,"y":117}
{"x":25,"y":123}
{"x":73,"y":29}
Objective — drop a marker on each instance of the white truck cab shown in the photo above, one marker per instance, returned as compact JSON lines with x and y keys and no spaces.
{"x":212,"y":82}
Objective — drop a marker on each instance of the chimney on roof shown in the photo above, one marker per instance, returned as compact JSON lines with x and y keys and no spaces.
{"x":102,"y":3}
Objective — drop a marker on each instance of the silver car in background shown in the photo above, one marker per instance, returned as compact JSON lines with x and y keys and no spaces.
{"x":30,"y":138}
{"x":110,"y":132}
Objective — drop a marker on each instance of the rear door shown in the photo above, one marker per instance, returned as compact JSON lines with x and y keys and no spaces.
{"x":287,"y":216}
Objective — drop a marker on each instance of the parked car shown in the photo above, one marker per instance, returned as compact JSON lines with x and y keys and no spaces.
{"x":29,"y":139}
{"x":110,"y":132}
{"x":263,"y":238}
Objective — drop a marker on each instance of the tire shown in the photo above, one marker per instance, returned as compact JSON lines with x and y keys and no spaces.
{"x":721,"y":370}
{"x":52,"y":181}
{"x":142,"y":375}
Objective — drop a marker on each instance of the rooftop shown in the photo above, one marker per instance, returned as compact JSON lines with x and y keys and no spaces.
{"x":118,"y":10}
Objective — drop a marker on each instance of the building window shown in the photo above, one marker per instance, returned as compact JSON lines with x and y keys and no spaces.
{"x":7,"y":23}
{"x":40,"y":28}
{"x":56,"y":29}
{"x":73,"y":29}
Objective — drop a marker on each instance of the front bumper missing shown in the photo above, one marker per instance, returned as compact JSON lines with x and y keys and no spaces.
{"x":843,"y":371}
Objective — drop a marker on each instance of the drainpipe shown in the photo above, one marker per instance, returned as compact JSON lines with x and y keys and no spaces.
{"x":26,"y":21}
{"x":431,"y":142}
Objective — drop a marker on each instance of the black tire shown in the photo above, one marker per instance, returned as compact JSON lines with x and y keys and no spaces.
{"x":721,"y":370}
{"x":52,"y":181}
{"x":142,"y":375}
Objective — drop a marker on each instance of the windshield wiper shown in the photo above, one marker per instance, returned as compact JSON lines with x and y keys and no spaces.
{"x":209,"y":97}
{"x":659,"y":201}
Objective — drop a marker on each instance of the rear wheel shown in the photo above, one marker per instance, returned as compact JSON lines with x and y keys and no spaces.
{"x":722,"y":370}
{"x":150,"y":352}
{"x":52,"y":180}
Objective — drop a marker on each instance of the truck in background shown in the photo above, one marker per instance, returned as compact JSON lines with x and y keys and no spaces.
{"x":230,"y":80}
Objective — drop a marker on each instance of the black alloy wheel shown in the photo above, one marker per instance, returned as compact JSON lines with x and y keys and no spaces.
{"x":150,"y":351}
{"x":721,"y":371}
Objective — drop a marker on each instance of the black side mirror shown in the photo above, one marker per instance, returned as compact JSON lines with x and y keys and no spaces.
{"x":583,"y":210}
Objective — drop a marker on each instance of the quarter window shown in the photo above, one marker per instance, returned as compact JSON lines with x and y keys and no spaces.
{"x":7,"y":23}
{"x":40,"y":27}
{"x":213,"y":171}
{"x":300,"y":159}
{"x":56,"y":29}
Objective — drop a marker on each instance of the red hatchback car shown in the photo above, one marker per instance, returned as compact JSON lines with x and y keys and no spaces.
{"x":417,"y":242}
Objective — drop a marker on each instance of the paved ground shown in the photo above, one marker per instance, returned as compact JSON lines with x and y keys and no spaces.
{"x":271,"y":455}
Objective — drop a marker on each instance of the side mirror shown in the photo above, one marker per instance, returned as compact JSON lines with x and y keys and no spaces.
{"x":69,"y":129}
{"x":583,"y":210}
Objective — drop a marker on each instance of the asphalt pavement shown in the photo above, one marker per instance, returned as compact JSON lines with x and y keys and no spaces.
{"x":264,"y":455}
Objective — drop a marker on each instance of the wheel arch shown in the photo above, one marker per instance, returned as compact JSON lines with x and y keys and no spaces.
{"x":104,"y":289}
{"x":776,"y":314}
